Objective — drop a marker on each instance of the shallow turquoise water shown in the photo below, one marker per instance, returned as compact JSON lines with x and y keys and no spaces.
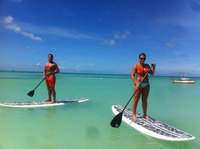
{"x":86,"y":125}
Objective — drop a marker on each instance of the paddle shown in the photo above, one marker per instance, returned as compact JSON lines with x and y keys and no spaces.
{"x":116,"y":121}
{"x":31,"y":93}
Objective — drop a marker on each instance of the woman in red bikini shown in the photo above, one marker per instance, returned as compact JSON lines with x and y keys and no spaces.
{"x":139,"y":70}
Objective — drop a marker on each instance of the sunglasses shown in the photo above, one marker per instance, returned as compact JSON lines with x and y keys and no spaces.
{"x":142,"y":58}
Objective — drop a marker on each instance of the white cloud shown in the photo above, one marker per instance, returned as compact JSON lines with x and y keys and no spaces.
{"x":117,"y":36}
{"x":67,"y":33}
{"x":30,"y":35}
{"x":61,"y":67}
{"x":170,"y":43}
{"x":109,"y":42}
{"x":179,"y":67}
{"x":8,"y":19}
{"x":57,"y":31}
{"x":8,"y":24}
{"x":74,"y":66}
{"x":13,"y":27}
{"x":38,"y":64}
{"x":25,"y":48}
{"x":121,"y":35}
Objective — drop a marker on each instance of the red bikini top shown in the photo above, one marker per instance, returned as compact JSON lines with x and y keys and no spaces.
{"x":142,"y":70}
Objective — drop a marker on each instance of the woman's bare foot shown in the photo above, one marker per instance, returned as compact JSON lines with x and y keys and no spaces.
{"x":134,"y":118}
{"x":47,"y":100}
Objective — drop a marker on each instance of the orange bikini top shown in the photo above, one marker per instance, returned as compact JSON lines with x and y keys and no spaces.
{"x":142,"y":70}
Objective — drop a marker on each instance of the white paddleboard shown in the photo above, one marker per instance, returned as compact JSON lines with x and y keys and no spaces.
{"x":41,"y":103}
{"x":152,"y":127}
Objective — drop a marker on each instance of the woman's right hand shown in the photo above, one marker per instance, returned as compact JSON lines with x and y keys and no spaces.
{"x":137,"y":85}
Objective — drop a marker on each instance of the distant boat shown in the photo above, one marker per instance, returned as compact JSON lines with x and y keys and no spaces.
{"x":182,"y":79}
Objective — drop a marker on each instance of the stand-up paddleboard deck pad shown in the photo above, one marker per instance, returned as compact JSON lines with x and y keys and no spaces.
{"x":42,"y":103}
{"x":152,"y":127}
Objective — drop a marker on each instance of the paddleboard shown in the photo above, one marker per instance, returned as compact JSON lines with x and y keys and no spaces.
{"x":41,"y":103}
{"x":152,"y":127}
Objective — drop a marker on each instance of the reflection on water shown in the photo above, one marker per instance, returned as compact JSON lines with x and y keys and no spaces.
{"x":92,"y":132}
{"x":115,"y":135}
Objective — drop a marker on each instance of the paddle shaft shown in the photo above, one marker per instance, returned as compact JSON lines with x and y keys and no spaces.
{"x":136,"y":90}
{"x":39,"y":83}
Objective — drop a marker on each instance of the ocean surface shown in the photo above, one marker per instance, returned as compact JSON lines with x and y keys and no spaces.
{"x":87,"y":125}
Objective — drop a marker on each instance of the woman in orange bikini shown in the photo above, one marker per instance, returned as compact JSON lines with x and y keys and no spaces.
{"x":140,"y":69}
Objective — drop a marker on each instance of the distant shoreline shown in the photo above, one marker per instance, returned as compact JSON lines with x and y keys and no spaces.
{"x":79,"y":73}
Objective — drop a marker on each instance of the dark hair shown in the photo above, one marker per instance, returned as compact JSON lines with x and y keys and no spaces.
{"x":51,"y":55}
{"x":142,"y":54}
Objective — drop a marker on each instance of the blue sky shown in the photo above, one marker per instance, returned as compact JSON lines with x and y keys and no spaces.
{"x":100,"y":36}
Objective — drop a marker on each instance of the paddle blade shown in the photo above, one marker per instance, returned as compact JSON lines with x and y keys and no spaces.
{"x":31,"y":93}
{"x":116,"y":121}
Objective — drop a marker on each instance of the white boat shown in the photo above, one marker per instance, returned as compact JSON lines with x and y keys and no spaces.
{"x":183,"y":79}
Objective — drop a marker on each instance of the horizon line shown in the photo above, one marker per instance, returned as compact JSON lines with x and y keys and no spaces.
{"x":158,"y":75}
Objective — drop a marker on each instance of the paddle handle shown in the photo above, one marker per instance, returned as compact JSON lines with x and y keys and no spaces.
{"x":137,"y":88}
{"x":39,"y":83}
